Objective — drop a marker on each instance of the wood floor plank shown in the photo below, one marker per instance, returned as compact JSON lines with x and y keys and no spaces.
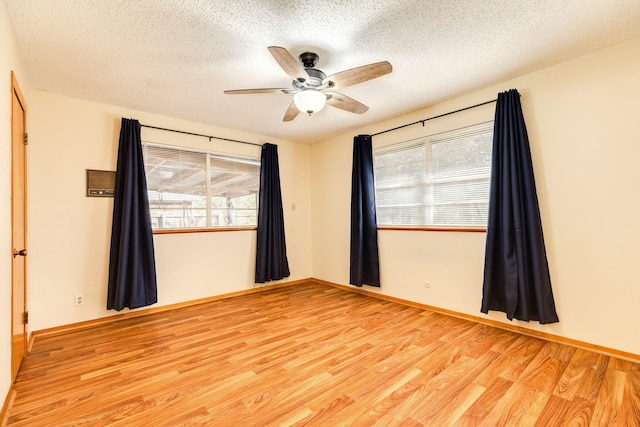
{"x":609,"y":403}
{"x":591,"y":383}
{"x":559,"y":411}
{"x":434,"y":392}
{"x":449,"y":383}
{"x":479,"y":410}
{"x":512,"y":361}
{"x":542,"y":374}
{"x":315,"y":355}
{"x":321,"y":415}
{"x":519,"y":406}
{"x":630,"y":410}
{"x":452,"y":411}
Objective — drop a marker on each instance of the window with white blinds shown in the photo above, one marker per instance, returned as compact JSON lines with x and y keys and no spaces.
{"x":192,"y":189}
{"x":436,"y":181}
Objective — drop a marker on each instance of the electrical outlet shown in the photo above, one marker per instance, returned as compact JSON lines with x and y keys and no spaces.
{"x":79,"y":299}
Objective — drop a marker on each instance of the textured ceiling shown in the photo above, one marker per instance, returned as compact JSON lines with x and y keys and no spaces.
{"x":176,"y":57}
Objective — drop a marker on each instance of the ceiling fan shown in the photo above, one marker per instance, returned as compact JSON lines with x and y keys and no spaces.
{"x":312,"y":89}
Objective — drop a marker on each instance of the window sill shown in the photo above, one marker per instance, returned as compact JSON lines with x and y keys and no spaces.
{"x":202,"y":230}
{"x":418,"y":228}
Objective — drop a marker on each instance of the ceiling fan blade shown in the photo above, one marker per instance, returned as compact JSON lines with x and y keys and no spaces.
{"x":289,"y":64}
{"x":359,"y":74}
{"x":345,"y":103}
{"x":292,"y":113}
{"x":254,"y":91}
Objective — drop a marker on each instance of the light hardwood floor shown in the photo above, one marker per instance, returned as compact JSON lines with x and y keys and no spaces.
{"x":316,"y":355}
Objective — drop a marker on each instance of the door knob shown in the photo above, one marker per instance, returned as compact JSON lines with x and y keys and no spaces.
{"x":21,"y":252}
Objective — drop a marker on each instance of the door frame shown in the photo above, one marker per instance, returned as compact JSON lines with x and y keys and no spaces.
{"x":19,"y":312}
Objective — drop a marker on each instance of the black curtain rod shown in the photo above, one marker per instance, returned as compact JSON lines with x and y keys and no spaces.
{"x":199,"y":134}
{"x":435,"y":117}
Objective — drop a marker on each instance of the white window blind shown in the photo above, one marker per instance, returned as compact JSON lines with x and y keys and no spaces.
{"x":441,"y":180}
{"x":191,"y":189}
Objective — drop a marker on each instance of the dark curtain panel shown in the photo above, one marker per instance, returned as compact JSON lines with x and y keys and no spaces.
{"x":271,"y":251}
{"x":132,"y":268}
{"x":365,"y":266}
{"x":516,"y":272}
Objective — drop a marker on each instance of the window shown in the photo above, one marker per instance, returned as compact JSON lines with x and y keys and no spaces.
{"x":191,"y":189}
{"x":440,"y":180}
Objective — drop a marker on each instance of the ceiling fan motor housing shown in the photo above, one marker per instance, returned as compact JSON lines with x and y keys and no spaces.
{"x":309,"y":59}
{"x":316,"y":77}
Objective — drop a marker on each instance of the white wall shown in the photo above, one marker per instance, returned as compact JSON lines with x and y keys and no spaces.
{"x":584,"y":129}
{"x":70,"y":233}
{"x":9,"y":61}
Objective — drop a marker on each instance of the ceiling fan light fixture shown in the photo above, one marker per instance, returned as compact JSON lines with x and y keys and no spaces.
{"x":310,"y":101}
{"x":308,"y":83}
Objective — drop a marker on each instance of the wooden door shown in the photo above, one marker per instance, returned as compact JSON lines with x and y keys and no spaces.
{"x":19,"y":227}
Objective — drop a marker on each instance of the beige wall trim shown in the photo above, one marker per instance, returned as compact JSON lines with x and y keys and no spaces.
{"x":530,"y":332}
{"x":145,"y":311}
{"x":29,"y":346}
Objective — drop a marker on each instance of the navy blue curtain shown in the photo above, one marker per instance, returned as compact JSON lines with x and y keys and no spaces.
{"x":516,"y":272}
{"x":271,"y":251}
{"x":365,"y":265}
{"x":132,"y":268}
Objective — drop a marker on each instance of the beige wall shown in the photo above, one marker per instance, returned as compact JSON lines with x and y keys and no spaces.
{"x":70,"y":233}
{"x":584,"y":128}
{"x":9,"y":61}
